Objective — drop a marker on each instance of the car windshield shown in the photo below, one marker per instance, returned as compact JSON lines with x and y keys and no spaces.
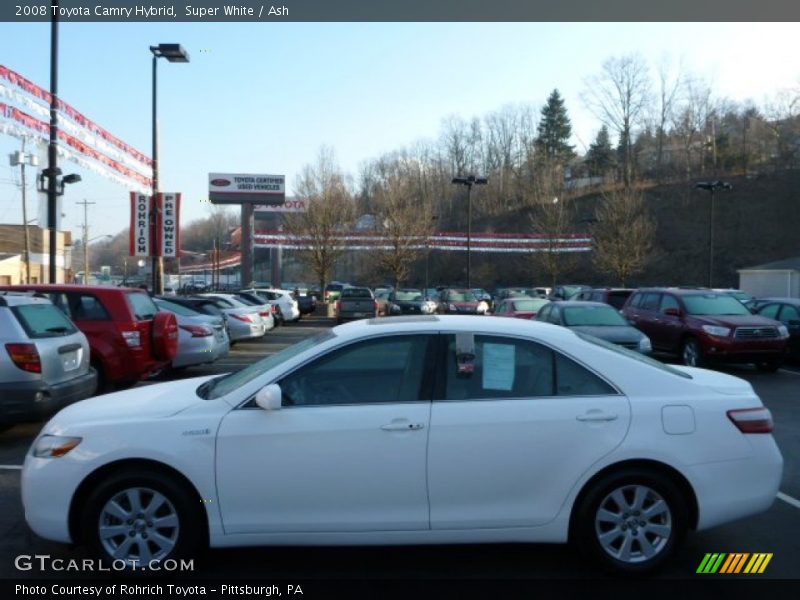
{"x":220,"y":386}
{"x":409,"y":296}
{"x":638,"y":356}
{"x":714,"y":304}
{"x":592,"y":316}
{"x":571,"y":290}
{"x":455,"y":296}
{"x":531,"y":305}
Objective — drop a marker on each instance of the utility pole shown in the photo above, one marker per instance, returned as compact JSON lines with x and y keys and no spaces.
{"x":86,"y":240}
{"x":22,"y":159}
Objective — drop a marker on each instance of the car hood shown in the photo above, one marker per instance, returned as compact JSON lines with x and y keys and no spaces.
{"x":620,"y":334}
{"x":736,"y":320}
{"x":720,"y":382}
{"x":155,"y":401}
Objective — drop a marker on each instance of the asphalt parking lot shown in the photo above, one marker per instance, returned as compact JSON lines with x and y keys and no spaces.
{"x":776,"y":531}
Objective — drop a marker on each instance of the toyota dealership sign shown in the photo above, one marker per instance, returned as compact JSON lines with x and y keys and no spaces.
{"x":246,"y":188}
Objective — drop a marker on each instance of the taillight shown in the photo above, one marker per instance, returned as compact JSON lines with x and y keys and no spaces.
{"x":338,"y":306}
{"x":752,"y":420}
{"x":132,"y":336}
{"x":25,"y":356}
{"x":266,"y":313}
{"x":275,"y":309}
{"x":245,"y":318}
{"x":197,"y":330}
{"x":376,"y":306}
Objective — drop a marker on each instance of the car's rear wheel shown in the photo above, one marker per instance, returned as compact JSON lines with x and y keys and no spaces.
{"x":136,"y":518}
{"x":631,"y":521}
{"x":692,"y":354}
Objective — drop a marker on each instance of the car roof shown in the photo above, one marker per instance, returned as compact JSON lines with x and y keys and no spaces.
{"x":580,"y":304}
{"x":21,"y":299}
{"x":784,"y":300}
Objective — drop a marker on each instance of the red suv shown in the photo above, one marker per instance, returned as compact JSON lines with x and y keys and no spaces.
{"x":703,"y":326}
{"x":128,"y":337}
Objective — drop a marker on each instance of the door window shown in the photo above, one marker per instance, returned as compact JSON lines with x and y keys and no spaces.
{"x":770,"y":311}
{"x":514,"y":368}
{"x":650,"y":302}
{"x":668,"y":301}
{"x":84,"y":307}
{"x":378,"y":371}
{"x":789,"y":313}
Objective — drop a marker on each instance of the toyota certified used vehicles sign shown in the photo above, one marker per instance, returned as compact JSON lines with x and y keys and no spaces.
{"x":246,"y":188}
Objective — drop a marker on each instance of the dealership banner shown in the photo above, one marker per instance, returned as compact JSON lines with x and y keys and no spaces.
{"x":246,"y":188}
{"x":140,"y":225}
{"x":168,"y":224}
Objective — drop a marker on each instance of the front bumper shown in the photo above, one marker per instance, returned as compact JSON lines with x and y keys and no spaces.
{"x":19,"y":403}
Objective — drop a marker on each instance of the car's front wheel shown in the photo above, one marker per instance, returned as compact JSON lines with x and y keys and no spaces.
{"x":692,"y":353}
{"x":140,"y":518}
{"x":631,"y":521}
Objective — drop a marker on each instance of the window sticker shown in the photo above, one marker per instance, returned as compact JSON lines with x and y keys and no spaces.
{"x":498,"y":366}
{"x":465,"y":354}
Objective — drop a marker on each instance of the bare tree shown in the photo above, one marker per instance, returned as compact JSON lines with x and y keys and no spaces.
{"x":669,"y":85}
{"x":623,"y":234}
{"x":619,"y":97}
{"x":330,"y":213}
{"x":551,"y":217}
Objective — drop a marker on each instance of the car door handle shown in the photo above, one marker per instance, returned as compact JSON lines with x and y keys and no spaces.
{"x":596,"y":418}
{"x":402,"y":426}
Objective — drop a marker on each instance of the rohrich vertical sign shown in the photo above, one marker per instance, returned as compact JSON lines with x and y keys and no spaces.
{"x":140,"y":225}
{"x":165,"y":240}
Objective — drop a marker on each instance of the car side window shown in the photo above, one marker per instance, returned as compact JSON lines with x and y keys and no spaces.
{"x":85,"y":307}
{"x":651,"y":301}
{"x":377,"y":371}
{"x":789,"y":313}
{"x":668,"y":301}
{"x":770,"y":311}
{"x":554,"y":316}
{"x":502,"y":368}
{"x":636,"y":301}
{"x":573,"y":379}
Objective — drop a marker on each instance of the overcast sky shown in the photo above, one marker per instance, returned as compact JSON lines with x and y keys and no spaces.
{"x":262,"y":98}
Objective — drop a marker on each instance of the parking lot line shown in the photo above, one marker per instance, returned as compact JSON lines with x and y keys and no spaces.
{"x":789,"y":500}
{"x":10,"y":467}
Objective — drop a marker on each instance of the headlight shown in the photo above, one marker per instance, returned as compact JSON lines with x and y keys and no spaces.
{"x":783,"y":331}
{"x":645,"y":346}
{"x":482,"y":307}
{"x":428,"y":307}
{"x":452,"y":307}
{"x":54,"y":446}
{"x":716,"y":331}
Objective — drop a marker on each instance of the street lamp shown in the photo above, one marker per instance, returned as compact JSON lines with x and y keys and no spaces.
{"x":173,"y":53}
{"x":711,"y":187}
{"x":469,"y":181}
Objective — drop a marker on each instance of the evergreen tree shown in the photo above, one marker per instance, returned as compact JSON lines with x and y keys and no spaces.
{"x":554,"y":131}
{"x":601,"y":155}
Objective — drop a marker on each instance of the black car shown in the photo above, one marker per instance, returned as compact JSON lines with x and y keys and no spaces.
{"x":410,"y":302}
{"x":598,"y":319}
{"x":787,"y":311}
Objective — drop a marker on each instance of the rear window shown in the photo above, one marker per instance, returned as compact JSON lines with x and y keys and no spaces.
{"x":143,"y":306}
{"x":43,"y":320}
{"x":356,"y":293}
{"x":593,"y":316}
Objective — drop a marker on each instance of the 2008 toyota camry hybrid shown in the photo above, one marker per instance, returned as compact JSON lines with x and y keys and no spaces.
{"x":412,"y":430}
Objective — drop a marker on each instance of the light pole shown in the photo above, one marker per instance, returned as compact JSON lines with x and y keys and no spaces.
{"x":21,"y":158}
{"x":711,"y":187}
{"x":173,"y":53}
{"x":469,"y":181}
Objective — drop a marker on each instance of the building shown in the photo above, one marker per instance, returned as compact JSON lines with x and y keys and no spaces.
{"x":776,"y":279}
{"x":12,"y":254}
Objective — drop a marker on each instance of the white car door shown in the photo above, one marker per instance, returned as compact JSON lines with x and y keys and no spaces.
{"x":346,"y":452}
{"x":510,"y":440}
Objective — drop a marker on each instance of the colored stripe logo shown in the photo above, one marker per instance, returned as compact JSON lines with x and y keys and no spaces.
{"x":734,"y":563}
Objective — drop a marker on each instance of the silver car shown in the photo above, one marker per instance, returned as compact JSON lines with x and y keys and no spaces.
{"x":244,"y":322}
{"x":203,"y":338}
{"x":44,"y":360}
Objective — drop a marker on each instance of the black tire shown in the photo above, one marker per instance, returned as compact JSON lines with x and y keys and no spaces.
{"x":188,"y":536}
{"x":103,"y":385}
{"x":663,"y":531}
{"x":768,"y":366}
{"x":692,"y":353}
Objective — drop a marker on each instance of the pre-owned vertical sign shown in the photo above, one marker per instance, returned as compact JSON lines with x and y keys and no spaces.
{"x":169,"y":210}
{"x":140,"y":225}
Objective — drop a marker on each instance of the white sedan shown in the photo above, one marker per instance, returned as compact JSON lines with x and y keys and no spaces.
{"x":415,"y":430}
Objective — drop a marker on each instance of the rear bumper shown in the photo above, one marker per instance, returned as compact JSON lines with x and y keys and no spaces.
{"x":33,"y":401}
{"x":202,"y":353}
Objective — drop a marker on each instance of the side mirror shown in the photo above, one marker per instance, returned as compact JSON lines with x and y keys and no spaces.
{"x":672,"y":312}
{"x":269,"y":397}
